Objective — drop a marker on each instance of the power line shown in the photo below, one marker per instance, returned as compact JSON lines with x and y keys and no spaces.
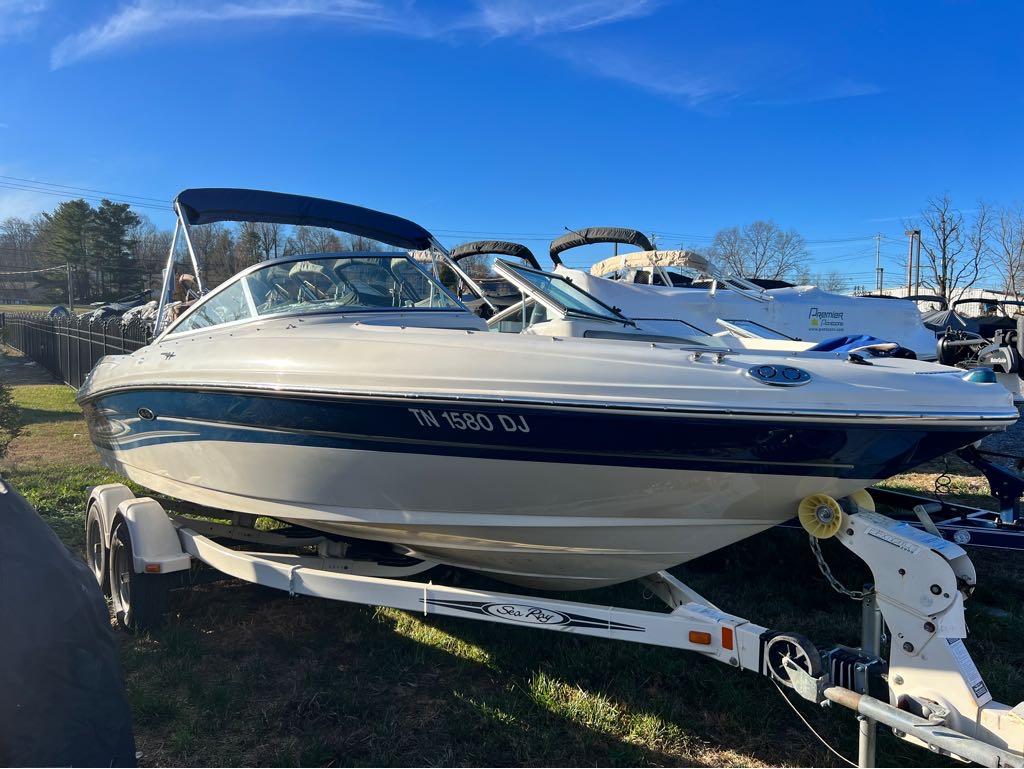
{"x":41,"y":269}
{"x":55,"y":193}
{"x":84,"y":189}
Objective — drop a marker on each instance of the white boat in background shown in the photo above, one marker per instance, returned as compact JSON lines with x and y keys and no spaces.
{"x":682,"y":285}
{"x":354,"y":395}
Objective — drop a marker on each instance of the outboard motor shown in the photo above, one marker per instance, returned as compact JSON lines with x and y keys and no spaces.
{"x":1007,"y":359}
{"x":954,"y":346}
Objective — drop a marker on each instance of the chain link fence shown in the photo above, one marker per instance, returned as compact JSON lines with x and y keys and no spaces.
{"x":69,"y":347}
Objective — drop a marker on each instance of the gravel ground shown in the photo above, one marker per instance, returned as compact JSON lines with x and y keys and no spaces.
{"x":1011,"y":440}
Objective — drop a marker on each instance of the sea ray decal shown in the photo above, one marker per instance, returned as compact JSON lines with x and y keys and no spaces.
{"x":526,"y":614}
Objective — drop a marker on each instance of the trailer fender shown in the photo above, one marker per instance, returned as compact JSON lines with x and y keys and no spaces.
{"x":155,"y":543}
{"x":106,"y":499}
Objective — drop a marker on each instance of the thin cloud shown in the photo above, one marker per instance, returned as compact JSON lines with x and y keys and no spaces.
{"x":844,"y":88}
{"x":561,"y":29}
{"x":536,"y":18}
{"x":19,"y":16}
{"x":649,"y":73}
{"x":493,"y":18}
{"x":149,"y":17}
{"x":23,"y":204}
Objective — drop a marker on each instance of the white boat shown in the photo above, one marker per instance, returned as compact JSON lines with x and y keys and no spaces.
{"x":353,"y":394}
{"x":653,"y":284}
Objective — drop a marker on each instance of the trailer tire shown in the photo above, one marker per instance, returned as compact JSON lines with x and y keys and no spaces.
{"x":139,"y":600}
{"x":96,"y":554}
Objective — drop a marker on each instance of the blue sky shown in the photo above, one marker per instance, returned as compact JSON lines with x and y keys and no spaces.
{"x":525,"y":116}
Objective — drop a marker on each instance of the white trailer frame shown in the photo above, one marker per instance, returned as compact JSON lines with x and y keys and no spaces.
{"x":921,"y":582}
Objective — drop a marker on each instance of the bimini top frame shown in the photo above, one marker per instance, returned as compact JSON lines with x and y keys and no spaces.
{"x":495,"y":248}
{"x":591,"y":235}
{"x":223,"y":204}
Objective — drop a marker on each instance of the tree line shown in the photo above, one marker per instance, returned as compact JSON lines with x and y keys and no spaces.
{"x":111,"y":251}
{"x":959,"y":249}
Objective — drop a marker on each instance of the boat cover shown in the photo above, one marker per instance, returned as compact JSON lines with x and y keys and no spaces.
{"x":62,"y":700}
{"x":645,"y":260}
{"x":220,"y":204}
{"x":847,"y":343}
{"x":591,"y":235}
{"x":940,"y":320}
{"x":504,"y":247}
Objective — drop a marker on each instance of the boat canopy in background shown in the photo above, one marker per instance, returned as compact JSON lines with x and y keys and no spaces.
{"x":504,"y":247}
{"x":591,"y":235}
{"x":222,"y":204}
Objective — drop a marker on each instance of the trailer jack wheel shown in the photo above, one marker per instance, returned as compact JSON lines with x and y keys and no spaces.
{"x":796,"y":649}
{"x":96,"y":549}
{"x":139,"y":600}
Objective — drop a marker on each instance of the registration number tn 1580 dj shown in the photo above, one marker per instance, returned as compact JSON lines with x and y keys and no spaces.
{"x":471,"y":421}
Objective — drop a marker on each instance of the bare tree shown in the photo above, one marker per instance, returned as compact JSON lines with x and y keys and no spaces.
{"x":215,"y":248}
{"x":834,"y":282}
{"x":21,"y":242}
{"x":359,"y":243}
{"x":259,"y":241}
{"x":312,"y":240}
{"x":18,"y":242}
{"x":953,"y":250}
{"x":760,"y":249}
{"x":149,"y":250}
{"x":1007,"y":252}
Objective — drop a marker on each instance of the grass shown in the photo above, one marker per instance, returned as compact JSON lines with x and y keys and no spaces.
{"x":242,"y":675}
{"x":26,"y":307}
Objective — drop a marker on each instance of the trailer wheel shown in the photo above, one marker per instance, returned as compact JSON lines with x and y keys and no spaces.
{"x":95,"y":548}
{"x":139,"y":600}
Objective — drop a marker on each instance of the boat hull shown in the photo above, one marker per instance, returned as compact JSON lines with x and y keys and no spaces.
{"x":547,"y":496}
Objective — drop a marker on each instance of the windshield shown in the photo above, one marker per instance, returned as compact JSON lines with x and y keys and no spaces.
{"x":480,"y":267}
{"x":557,"y":288}
{"x":751,"y":329}
{"x":313,"y":284}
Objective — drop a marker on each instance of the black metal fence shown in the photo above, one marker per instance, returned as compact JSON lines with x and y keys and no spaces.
{"x":69,"y":347}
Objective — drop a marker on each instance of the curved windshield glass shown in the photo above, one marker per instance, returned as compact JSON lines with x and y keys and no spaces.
{"x":313,"y":284}
{"x":564,"y":293}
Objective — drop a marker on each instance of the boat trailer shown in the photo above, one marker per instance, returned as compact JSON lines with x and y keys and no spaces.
{"x":963,"y":524}
{"x":927,"y":689}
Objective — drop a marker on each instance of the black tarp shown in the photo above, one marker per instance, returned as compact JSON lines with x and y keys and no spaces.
{"x":940,"y":320}
{"x":62,"y":700}
{"x":221,"y":204}
{"x":592,"y":235}
{"x":504,"y":247}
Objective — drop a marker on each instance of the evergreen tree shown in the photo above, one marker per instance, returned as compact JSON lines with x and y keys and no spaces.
{"x":113,"y":250}
{"x":69,"y":238}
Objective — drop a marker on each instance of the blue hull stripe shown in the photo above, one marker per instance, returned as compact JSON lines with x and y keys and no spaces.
{"x":610,"y":438}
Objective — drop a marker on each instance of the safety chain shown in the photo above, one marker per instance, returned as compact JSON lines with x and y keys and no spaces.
{"x":856,"y":595}
{"x":943,"y":481}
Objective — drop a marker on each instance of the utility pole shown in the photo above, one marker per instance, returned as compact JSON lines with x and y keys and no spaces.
{"x":878,"y":263}
{"x":917,"y":278}
{"x":912,"y":234}
{"x":71,"y":292}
